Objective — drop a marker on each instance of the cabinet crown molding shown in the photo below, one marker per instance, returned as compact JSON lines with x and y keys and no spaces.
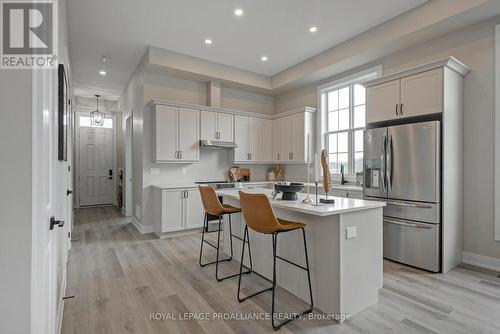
{"x":450,"y":62}
{"x":155,"y":102}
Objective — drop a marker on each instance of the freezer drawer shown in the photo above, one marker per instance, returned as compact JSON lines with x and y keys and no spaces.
{"x":422,"y":212}
{"x":412,"y":243}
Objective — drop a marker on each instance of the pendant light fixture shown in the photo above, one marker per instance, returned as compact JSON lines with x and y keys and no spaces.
{"x":97,"y":117}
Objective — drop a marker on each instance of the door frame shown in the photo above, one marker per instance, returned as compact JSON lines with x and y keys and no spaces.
{"x":127,"y":175}
{"x":79,"y":111}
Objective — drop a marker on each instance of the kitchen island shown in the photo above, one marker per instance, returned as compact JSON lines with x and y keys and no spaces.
{"x":345,"y":250}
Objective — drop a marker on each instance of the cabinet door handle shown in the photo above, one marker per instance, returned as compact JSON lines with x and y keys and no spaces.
{"x":397,"y":114}
{"x":279,"y":156}
{"x":177,"y":154}
{"x":187,"y":193}
{"x":401,"y":109}
{"x":292,"y":155}
{"x":180,"y":154}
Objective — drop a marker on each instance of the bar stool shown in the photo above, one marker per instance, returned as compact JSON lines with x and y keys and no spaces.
{"x":260,"y":216}
{"x":213,"y":206}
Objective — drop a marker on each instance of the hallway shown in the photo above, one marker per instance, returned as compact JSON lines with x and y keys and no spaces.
{"x":118,"y":276}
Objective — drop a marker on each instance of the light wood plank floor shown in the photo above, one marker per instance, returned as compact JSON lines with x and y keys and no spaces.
{"x":119,"y":276}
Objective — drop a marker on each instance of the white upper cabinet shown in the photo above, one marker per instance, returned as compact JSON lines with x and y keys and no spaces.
{"x":208,"y":125}
{"x":267,"y":140}
{"x":293,"y":133}
{"x":166,"y":144}
{"x":276,"y":140}
{"x":422,"y":93}
{"x":382,"y":101}
{"x":216,"y":126}
{"x":413,"y":95}
{"x":242,"y":138}
{"x":176,"y":134}
{"x":225,"y":126}
{"x":255,"y":139}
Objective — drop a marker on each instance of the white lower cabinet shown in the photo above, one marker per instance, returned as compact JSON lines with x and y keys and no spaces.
{"x":177,"y":210}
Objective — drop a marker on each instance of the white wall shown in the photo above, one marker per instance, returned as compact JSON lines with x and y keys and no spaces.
{"x":474,"y":46}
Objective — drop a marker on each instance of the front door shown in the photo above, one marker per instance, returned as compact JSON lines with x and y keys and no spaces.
{"x":96,"y":162}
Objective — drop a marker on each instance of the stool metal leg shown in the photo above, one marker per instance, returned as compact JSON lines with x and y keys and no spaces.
{"x":309,"y":310}
{"x":205,"y":224}
{"x":210,"y":244}
{"x":246,"y":238}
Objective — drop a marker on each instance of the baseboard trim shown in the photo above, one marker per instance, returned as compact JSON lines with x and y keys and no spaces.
{"x":143,"y":229}
{"x":481,"y":261}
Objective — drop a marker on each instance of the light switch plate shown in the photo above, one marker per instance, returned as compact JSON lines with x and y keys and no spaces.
{"x":183,"y":171}
{"x":154,"y":171}
{"x":351,"y":232}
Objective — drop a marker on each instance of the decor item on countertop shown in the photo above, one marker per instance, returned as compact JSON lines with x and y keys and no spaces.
{"x":270,"y":175}
{"x":289,"y":190}
{"x":279,"y":172}
{"x":234,"y":173}
{"x":359,"y":178}
{"x":327,"y":179}
{"x":308,"y":200}
{"x":244,"y":174}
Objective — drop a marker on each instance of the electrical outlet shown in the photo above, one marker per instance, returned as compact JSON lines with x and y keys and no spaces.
{"x":183,"y":171}
{"x":351,"y":232}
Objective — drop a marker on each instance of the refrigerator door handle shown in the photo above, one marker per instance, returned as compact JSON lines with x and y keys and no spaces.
{"x":383,"y":164}
{"x":388,"y":167}
{"x":411,"y":205}
{"x":415,"y":225}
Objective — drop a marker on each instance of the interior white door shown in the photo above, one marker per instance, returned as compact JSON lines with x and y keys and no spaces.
{"x":255,"y":139}
{"x":189,"y":129}
{"x":44,"y":242}
{"x":422,"y":93}
{"x":194,"y":209}
{"x":381,"y":101}
{"x":166,"y":133}
{"x":96,"y":172}
{"x":242,"y":138}
{"x":208,"y":125}
{"x":225,"y":125}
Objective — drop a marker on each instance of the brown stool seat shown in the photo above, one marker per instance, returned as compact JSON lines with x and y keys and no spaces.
{"x":230,"y":209}
{"x":286,"y":225}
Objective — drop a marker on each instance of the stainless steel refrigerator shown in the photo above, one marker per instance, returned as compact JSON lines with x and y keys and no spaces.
{"x":402,"y":166}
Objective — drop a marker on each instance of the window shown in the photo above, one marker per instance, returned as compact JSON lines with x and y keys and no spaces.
{"x":343,"y":108}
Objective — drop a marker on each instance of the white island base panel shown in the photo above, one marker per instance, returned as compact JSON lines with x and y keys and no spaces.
{"x":346,"y":274}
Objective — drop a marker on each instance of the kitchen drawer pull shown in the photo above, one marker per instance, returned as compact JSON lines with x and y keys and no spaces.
{"x":415,"y":225}
{"x":410,"y":205}
{"x":401,"y":109}
{"x":397,"y":110}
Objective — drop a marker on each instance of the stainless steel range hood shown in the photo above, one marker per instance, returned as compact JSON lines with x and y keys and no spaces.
{"x":217,"y":144}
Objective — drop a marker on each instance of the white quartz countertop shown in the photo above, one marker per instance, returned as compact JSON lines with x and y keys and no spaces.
{"x":187,"y":185}
{"x":341,"y":205}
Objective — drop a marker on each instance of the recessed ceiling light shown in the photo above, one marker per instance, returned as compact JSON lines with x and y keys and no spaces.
{"x":238,"y":12}
{"x":313,"y":29}
{"x":208,"y":41}
{"x":102,"y":72}
{"x":263,"y":58}
{"x":106,"y":59}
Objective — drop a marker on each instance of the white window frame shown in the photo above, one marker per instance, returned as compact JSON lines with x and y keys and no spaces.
{"x":323,"y":90}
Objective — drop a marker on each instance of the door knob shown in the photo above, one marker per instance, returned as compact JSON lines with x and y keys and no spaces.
{"x":54,"y":222}
{"x":69,"y":192}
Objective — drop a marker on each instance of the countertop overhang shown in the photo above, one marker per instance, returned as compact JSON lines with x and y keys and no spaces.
{"x":341,"y":205}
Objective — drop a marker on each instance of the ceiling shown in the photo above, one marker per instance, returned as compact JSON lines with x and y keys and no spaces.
{"x":278,"y":29}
